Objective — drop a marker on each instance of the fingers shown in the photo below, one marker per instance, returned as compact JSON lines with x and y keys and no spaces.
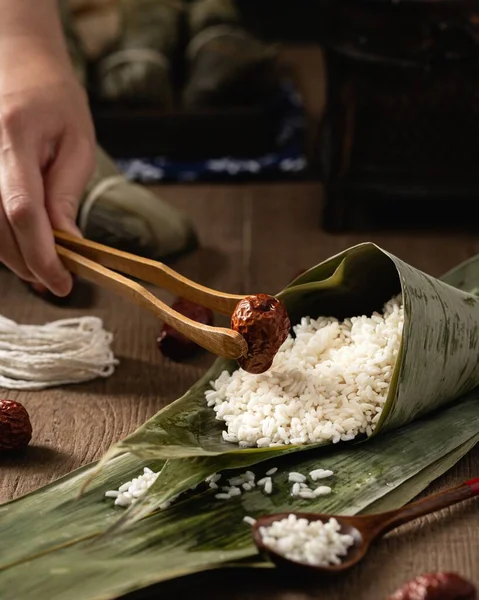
{"x":10,"y":254}
{"x":21,"y":187}
{"x":66,"y":180}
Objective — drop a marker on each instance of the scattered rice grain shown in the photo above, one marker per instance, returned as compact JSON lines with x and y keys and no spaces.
{"x":296,"y":477}
{"x":320,"y":474}
{"x":322,"y":490}
{"x":272,"y":471}
{"x":268,"y":486}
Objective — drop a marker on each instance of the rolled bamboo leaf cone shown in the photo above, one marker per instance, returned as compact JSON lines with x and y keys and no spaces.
{"x":231,"y":70}
{"x":138,"y":68}
{"x":226,"y":65}
{"x":206,"y":13}
{"x":97,"y":23}
{"x":130,"y":217}
{"x":437,"y":361}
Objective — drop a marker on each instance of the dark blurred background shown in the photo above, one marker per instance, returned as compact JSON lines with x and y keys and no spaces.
{"x":375,"y":99}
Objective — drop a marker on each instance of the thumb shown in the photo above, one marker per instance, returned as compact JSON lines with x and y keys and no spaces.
{"x":65,"y":182}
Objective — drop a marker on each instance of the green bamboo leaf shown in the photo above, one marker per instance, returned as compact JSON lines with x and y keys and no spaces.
{"x":178,"y":476}
{"x":414,"y":486}
{"x":202,"y":532}
{"x":464,"y":276}
{"x":400,"y":496}
{"x":344,"y":285}
{"x":70,"y":555}
{"x":54,"y":508}
{"x":436,"y":363}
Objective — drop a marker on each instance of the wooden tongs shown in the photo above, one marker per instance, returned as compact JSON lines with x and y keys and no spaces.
{"x":99,"y":263}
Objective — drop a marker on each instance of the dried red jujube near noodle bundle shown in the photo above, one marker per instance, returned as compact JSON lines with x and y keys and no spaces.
{"x":15,"y":426}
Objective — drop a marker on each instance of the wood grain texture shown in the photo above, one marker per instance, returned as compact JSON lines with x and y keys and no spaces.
{"x":254,"y":238}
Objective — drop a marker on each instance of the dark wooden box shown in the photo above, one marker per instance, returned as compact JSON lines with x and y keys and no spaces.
{"x":400,"y":138}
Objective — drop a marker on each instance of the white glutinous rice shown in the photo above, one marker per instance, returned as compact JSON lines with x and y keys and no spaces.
{"x":310,"y":542}
{"x":249,"y":520}
{"x":222,"y":496}
{"x":322,"y":490}
{"x":128,"y":493}
{"x":320,"y":474}
{"x":328,"y":382}
{"x":295,"y":489}
{"x":296,"y":477}
{"x":112,"y":494}
{"x":307,"y":494}
{"x":268,"y":486}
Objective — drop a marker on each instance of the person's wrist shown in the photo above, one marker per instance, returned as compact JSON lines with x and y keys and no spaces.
{"x":20,"y":19}
{"x":29,"y":43}
{"x":46,"y":59}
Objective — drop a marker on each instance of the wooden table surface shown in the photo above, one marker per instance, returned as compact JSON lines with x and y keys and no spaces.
{"x":253,"y":238}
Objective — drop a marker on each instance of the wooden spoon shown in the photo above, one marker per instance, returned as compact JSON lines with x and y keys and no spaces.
{"x":364,"y":529}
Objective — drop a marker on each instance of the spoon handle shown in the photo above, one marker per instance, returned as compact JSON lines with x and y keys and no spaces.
{"x":430,"y":504}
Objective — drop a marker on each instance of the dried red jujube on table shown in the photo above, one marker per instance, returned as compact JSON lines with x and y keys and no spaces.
{"x":15,"y":426}
{"x":436,"y":586}
{"x":264,"y":323}
{"x":175,"y":345}
{"x":43,"y":292}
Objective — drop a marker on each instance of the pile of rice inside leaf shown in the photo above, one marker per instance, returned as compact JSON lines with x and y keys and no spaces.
{"x":328,"y":382}
{"x":437,"y":360}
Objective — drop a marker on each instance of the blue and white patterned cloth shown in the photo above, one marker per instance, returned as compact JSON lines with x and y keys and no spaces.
{"x":288,"y":160}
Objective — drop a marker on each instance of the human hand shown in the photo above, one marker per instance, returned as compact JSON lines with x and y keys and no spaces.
{"x":46,"y":157}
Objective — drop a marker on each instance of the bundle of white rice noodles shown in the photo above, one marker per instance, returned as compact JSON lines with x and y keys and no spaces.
{"x":128,"y":216}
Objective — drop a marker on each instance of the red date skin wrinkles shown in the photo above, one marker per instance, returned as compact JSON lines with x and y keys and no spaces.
{"x":15,"y":426}
{"x":264,"y":323}
{"x":436,"y":586}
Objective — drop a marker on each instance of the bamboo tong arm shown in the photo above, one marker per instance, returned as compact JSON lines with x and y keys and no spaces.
{"x":219,"y":340}
{"x":150,"y":271}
